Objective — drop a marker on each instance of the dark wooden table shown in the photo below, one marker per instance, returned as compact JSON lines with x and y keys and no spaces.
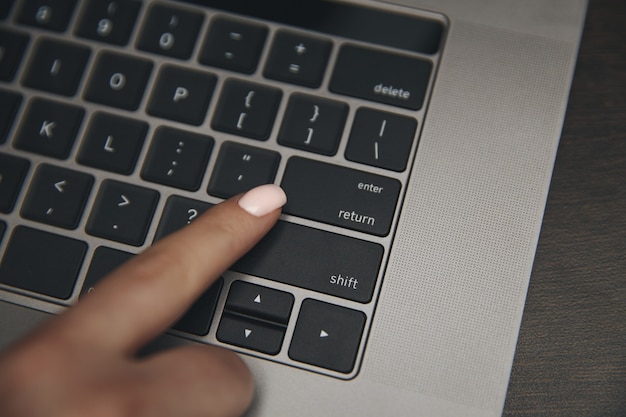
{"x":571,"y":355}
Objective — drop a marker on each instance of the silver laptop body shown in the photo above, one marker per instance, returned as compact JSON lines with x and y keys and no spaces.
{"x":441,"y":326}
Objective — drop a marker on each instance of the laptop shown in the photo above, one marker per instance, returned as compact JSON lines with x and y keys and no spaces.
{"x":415,"y":140}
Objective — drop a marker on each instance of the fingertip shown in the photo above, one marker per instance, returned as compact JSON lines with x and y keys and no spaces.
{"x":263,"y":199}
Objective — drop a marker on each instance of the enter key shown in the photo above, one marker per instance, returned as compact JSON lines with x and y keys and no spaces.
{"x":340,"y":196}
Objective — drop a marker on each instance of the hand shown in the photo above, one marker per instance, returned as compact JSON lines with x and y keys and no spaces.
{"x":82,"y":362}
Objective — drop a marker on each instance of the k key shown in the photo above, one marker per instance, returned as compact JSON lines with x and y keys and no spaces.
{"x":49,"y":128}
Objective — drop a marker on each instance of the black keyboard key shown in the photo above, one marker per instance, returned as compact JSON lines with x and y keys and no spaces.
{"x":250,"y":334}
{"x":177,"y":158}
{"x":170,"y":31}
{"x":3,"y":227}
{"x":42,"y":262}
{"x":122,"y":212}
{"x":47,"y":14}
{"x":9,"y":103}
{"x":340,"y":196}
{"x":197,"y":320}
{"x":259,"y":302}
{"x":381,"y":139}
{"x":49,"y":128}
{"x":103,"y":262}
{"x":321,"y":261}
{"x":108,"y":21}
{"x":12,"y":47}
{"x":178,"y":213}
{"x":384,"y":77}
{"x":112,"y":143}
{"x":118,"y":80}
{"x":182,"y":95}
{"x":327,"y":336}
{"x":12,"y":172}
{"x":233,"y":44}
{"x":313,"y":124}
{"x":246,"y":109}
{"x":240,"y":168}
{"x":56,"y":67}
{"x":297,"y":59}
{"x":57,"y":196}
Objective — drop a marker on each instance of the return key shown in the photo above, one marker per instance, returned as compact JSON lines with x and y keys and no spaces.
{"x":340,"y":196}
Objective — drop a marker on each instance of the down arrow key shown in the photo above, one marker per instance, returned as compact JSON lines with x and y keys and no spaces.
{"x":250,"y":334}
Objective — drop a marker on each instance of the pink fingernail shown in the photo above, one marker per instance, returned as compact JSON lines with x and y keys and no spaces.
{"x":263,"y":199}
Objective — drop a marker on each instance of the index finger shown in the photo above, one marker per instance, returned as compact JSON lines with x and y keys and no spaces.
{"x":149,"y":293}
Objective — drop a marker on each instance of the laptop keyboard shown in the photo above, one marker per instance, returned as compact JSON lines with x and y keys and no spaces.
{"x":123,"y":121}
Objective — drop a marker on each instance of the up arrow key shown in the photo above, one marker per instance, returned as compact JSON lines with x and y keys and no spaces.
{"x":60,"y":186}
{"x":257,"y":299}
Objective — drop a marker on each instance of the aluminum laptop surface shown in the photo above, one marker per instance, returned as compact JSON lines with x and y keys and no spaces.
{"x":439,"y":325}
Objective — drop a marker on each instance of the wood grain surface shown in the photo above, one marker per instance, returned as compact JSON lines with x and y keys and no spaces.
{"x":571,"y":354}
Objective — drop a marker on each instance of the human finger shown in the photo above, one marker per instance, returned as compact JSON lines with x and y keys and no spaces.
{"x":205,"y":381}
{"x":150,"y":292}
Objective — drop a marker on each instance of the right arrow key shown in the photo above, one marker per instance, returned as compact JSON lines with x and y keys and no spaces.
{"x":327,"y":336}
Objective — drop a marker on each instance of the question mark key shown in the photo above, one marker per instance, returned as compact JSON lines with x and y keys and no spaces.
{"x":178,"y":213}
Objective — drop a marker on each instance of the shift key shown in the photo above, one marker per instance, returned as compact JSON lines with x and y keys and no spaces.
{"x":317,"y":260}
{"x":340,"y":196}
